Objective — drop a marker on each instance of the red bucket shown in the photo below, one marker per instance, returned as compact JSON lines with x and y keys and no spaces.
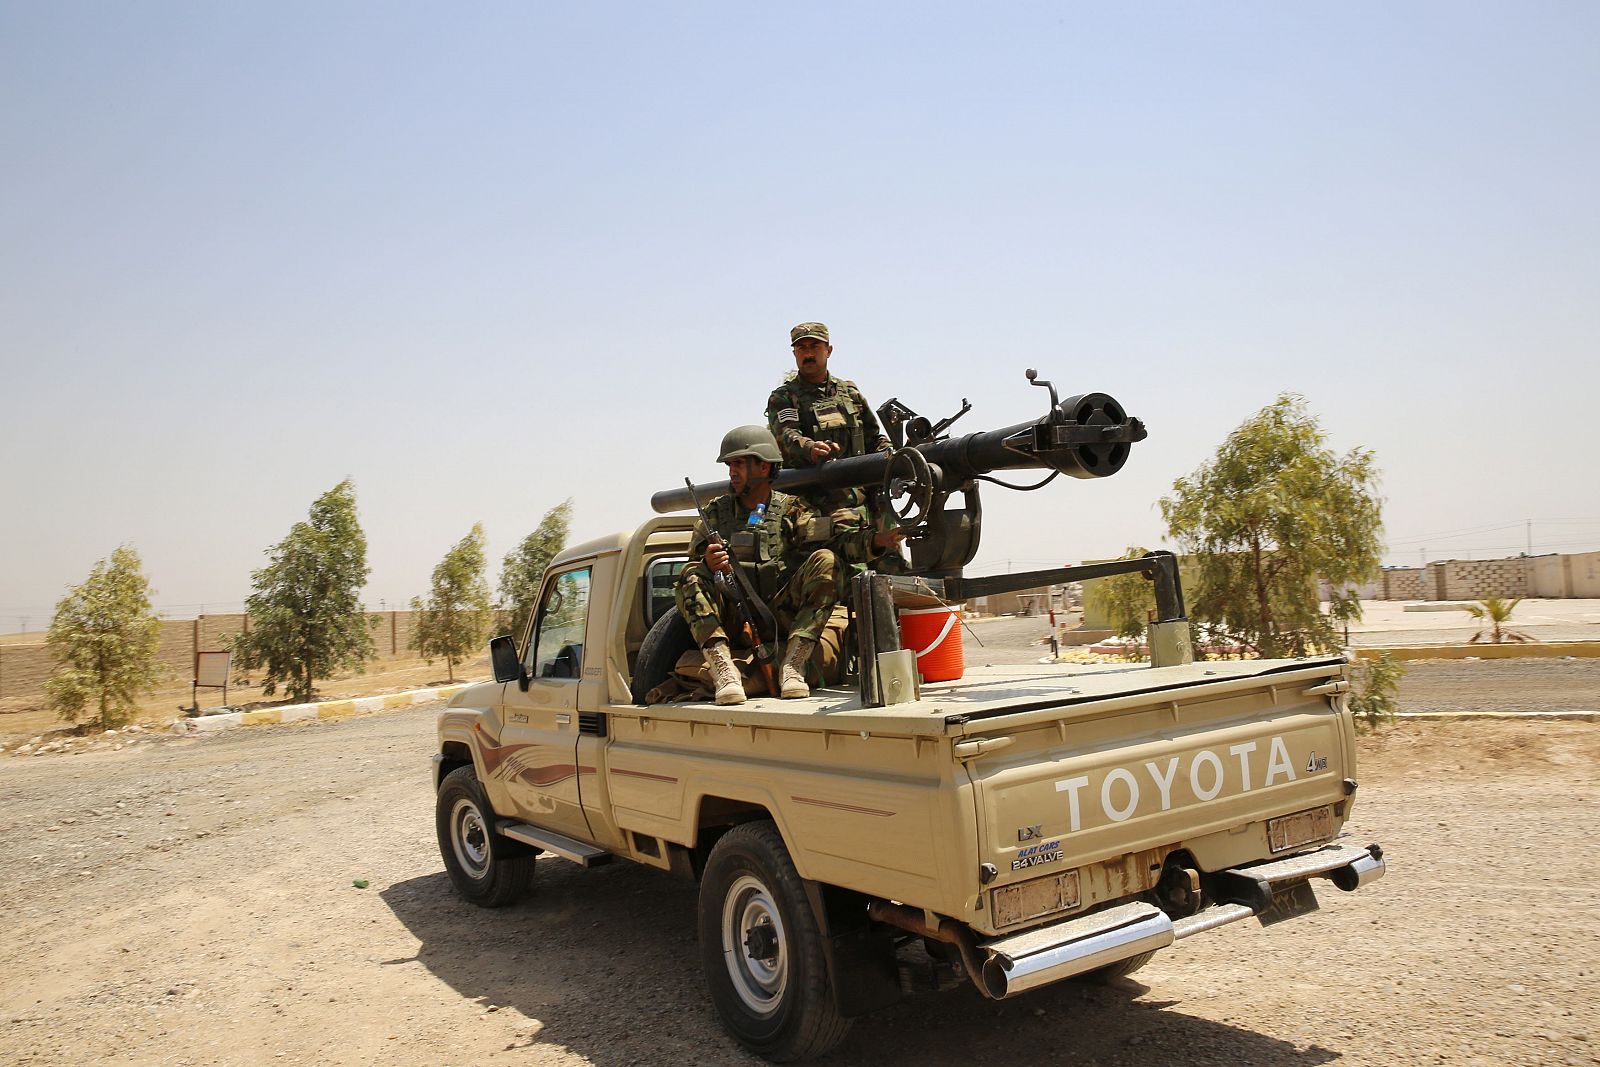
{"x":934,"y":634}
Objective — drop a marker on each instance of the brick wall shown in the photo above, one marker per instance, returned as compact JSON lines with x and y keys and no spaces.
{"x":24,"y":668}
{"x":1401,"y":583}
{"x":218,"y":631}
{"x":1474,"y":579}
{"x":176,"y":648}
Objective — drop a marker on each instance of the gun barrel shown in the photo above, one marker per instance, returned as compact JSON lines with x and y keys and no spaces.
{"x":1087,"y":436}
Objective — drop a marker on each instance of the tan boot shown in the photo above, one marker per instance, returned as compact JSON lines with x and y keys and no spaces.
{"x":792,"y":676}
{"x":725,"y":677}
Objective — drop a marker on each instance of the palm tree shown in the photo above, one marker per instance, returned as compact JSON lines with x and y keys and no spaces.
{"x":1491,"y":612}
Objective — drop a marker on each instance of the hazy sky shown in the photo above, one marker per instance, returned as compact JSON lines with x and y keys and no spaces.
{"x":480,"y":258}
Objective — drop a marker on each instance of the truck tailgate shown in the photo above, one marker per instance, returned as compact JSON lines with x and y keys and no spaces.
{"x":1200,"y":761}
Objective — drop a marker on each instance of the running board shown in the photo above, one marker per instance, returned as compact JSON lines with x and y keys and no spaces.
{"x":549,"y":841}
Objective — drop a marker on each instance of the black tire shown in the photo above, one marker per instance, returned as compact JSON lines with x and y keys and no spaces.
{"x":667,"y":640}
{"x":1121,"y":969}
{"x":762,"y":951}
{"x":487,"y":869}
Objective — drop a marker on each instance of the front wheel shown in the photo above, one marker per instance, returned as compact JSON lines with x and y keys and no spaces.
{"x":487,"y":869}
{"x":762,"y":950}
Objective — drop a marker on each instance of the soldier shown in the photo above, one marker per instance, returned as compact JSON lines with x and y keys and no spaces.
{"x":816,"y":418}
{"x":778,"y":541}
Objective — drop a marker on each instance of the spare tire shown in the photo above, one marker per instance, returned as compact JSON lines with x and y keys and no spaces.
{"x":667,"y":640}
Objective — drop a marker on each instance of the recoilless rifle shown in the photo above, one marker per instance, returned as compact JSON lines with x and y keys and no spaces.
{"x":1086,"y":436}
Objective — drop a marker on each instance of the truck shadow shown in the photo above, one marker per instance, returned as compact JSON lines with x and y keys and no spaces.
{"x":608,"y":962}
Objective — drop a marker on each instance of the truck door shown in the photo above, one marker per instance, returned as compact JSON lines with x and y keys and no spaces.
{"x":539,"y":742}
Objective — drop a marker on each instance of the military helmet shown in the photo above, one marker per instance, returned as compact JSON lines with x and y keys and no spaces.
{"x":756,"y":442}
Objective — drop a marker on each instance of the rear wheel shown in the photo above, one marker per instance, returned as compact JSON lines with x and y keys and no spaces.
{"x":762,"y":950}
{"x":486,"y":868}
{"x":1121,"y":969}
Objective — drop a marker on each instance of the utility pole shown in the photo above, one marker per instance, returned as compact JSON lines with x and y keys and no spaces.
{"x":1530,"y":536}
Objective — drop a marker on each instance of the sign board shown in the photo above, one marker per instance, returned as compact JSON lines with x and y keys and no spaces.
{"x":211,"y":669}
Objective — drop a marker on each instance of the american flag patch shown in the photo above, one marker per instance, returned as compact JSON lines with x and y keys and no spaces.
{"x":789,"y":415}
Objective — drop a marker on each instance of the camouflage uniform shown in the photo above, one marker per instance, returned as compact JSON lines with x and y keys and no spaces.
{"x":791,"y":557}
{"x":800,"y":414}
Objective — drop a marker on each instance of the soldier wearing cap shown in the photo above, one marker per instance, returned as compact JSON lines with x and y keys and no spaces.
{"x":790,"y":558}
{"x":817,"y":417}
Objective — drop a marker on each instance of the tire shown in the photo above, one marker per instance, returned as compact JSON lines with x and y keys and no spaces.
{"x":762,"y":951}
{"x":1121,"y":969}
{"x":487,"y":869}
{"x":667,"y":640}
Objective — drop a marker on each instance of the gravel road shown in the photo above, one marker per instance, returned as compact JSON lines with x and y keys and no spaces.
{"x":190,"y":901}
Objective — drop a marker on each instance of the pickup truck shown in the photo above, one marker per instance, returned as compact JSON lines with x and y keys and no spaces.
{"x":1016,"y":827}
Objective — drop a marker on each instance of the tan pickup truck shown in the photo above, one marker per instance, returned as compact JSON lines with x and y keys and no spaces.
{"x":1022,"y":825}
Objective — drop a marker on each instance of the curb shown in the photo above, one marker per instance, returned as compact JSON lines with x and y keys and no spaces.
{"x":322,"y":709}
{"x":1456,"y":716}
{"x":1532,"y":650}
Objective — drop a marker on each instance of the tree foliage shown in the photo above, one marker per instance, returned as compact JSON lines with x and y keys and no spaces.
{"x":103,"y":639}
{"x":455,"y":618}
{"x":306,"y":620}
{"x":524,"y":566}
{"x":1126,"y":602}
{"x":1492,"y":613}
{"x":1275,"y":510}
{"x":1375,"y":695}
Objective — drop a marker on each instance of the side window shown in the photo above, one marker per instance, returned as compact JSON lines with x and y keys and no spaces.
{"x":556,"y":650}
{"x":661,"y":579}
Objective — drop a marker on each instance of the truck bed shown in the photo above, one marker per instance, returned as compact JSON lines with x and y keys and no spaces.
{"x":984,"y":694}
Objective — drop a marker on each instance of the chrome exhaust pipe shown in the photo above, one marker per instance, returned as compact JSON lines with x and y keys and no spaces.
{"x":1364,"y":869}
{"x":1050,"y":953}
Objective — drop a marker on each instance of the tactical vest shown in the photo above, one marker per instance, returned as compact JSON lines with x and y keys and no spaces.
{"x":836,"y":418}
{"x":758,"y":549}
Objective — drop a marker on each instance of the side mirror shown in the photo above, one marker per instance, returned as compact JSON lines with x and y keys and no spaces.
{"x":503,"y":657}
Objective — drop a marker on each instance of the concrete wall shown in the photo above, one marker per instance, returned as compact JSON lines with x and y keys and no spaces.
{"x":24,"y":667}
{"x":1400,"y":583}
{"x":1364,"y":591}
{"x":1583,"y":575}
{"x":1475,"y":579}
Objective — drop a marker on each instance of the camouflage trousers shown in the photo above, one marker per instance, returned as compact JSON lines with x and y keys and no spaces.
{"x":802,"y":606}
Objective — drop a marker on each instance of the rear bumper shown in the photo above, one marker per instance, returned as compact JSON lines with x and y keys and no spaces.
{"x":1045,"y":954}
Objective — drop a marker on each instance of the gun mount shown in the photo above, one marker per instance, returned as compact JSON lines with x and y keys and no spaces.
{"x":1084,"y":436}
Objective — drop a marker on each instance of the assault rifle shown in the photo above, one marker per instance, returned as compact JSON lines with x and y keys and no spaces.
{"x":752,"y":620}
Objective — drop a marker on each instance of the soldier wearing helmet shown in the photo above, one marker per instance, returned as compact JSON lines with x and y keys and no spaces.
{"x":789,"y":556}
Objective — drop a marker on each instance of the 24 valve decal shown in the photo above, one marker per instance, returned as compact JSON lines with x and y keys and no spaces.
{"x":1035,"y":855}
{"x":1206,"y":776}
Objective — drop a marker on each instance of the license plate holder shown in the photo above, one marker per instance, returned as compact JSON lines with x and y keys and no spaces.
{"x":1301,"y":828}
{"x":1296,"y":900}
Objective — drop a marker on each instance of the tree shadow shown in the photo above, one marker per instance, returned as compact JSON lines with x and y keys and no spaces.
{"x":608,"y":961}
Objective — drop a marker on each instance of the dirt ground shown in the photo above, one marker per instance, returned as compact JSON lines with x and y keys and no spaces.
{"x":191,"y":901}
